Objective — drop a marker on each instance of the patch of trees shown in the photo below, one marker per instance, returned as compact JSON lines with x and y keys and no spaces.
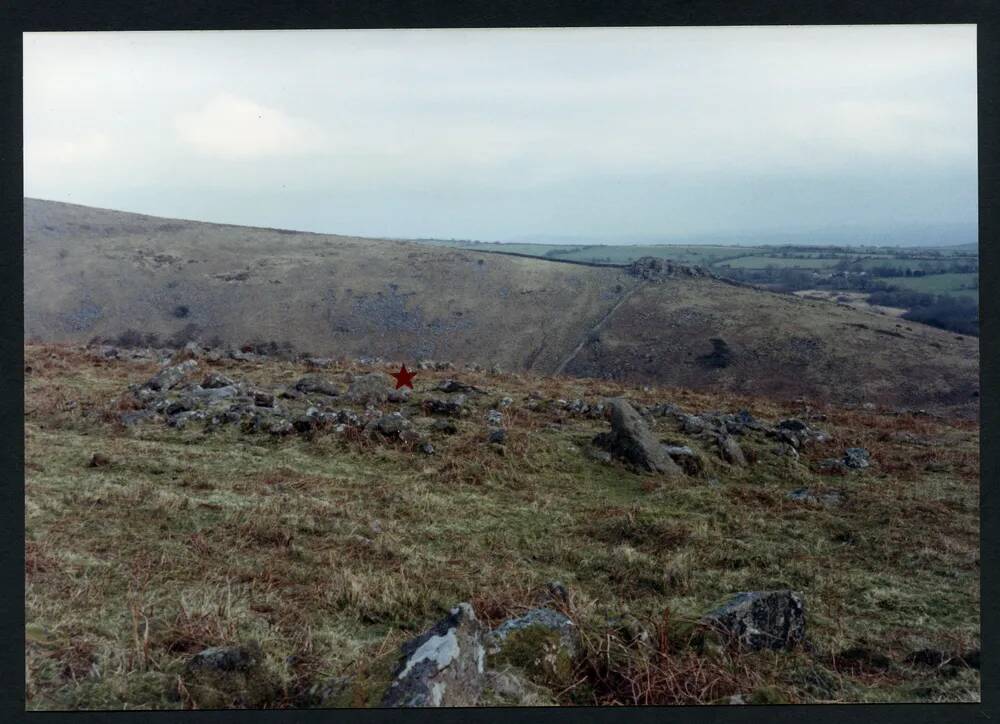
{"x":954,"y":313}
{"x":792,"y":280}
{"x":887,"y":270}
{"x":564,"y":251}
{"x":720,"y":356}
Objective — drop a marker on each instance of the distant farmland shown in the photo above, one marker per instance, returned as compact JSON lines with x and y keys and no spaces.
{"x":952,"y":284}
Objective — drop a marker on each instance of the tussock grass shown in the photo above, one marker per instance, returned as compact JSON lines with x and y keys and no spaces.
{"x":330,"y":552}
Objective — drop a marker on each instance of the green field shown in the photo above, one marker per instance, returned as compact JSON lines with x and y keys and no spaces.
{"x":762,"y":261}
{"x":956,"y":284}
{"x":719,"y":257}
{"x":722,"y":259}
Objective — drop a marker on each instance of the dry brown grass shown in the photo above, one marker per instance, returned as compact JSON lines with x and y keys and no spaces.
{"x":332,"y":551}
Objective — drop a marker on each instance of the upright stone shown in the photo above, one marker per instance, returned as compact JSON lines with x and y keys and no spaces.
{"x":445,"y":666}
{"x":631,"y":440}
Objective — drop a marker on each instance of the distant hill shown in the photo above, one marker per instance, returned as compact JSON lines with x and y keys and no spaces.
{"x":945,"y":235}
{"x":97,"y":273}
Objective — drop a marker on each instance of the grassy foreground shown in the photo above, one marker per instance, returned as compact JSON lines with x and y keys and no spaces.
{"x":330,"y":552}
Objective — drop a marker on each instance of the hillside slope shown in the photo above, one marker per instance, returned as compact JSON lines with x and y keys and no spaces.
{"x":161,"y":523}
{"x":95,"y":273}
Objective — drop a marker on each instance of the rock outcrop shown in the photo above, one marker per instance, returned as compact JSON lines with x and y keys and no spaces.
{"x":315,"y":383}
{"x":856,"y":458}
{"x":172,"y":376}
{"x":655,"y":269}
{"x":631,"y":440}
{"x":372,"y":388}
{"x":543,"y":643}
{"x":731,"y":451}
{"x":761,"y":620}
{"x":444,"y":666}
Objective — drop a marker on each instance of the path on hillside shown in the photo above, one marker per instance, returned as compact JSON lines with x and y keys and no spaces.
{"x":596,"y":328}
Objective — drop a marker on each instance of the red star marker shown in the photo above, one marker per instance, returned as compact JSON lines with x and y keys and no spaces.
{"x":404,"y":378}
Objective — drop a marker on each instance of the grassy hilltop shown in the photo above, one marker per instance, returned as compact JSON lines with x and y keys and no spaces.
{"x":330,"y":549}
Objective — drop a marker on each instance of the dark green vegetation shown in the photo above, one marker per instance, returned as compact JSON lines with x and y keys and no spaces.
{"x":328,"y":552}
{"x":92,"y":273}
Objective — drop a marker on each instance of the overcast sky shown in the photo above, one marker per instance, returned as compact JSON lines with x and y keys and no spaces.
{"x":505,"y":134}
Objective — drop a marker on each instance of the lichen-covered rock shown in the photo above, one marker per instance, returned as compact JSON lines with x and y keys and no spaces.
{"x":856,"y":458}
{"x":761,"y":620}
{"x":172,"y":376}
{"x":543,"y":643}
{"x":689,"y":461}
{"x":796,"y":433}
{"x":263,"y":398}
{"x":450,"y":385}
{"x":654,"y":269}
{"x":316,"y":384}
{"x":664,"y":409}
{"x":143,"y":394}
{"x":280,"y":427}
{"x":445,"y":666}
{"x":181,"y":419}
{"x":319,"y":362}
{"x":230,"y":676}
{"x":369,"y":389}
{"x":391,"y":425}
{"x":344,"y":417}
{"x":731,"y":451}
{"x":741,"y":422}
{"x":172,"y":407}
{"x":509,"y":686}
{"x":450,"y":406}
{"x":215,"y":380}
{"x":213,"y":394}
{"x":691,"y":424}
{"x":400,"y":395}
{"x":631,"y":440}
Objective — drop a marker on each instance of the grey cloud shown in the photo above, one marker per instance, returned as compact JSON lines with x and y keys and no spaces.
{"x":495,"y":134}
